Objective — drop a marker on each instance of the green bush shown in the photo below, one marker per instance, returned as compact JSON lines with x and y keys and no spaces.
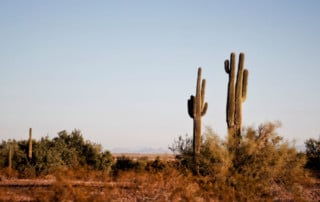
{"x":213,"y":155}
{"x":182,"y":148}
{"x":64,"y":151}
{"x":156,"y":166}
{"x":313,"y":153}
{"x":124,"y":163}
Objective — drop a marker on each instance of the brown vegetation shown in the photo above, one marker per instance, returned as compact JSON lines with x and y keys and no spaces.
{"x":266,"y":168}
{"x":167,"y":185}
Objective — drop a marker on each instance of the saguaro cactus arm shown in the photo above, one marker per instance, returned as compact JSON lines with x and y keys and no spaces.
{"x":191,"y":106}
{"x":204,"y":105}
{"x":204,"y":109}
{"x":245,"y":84}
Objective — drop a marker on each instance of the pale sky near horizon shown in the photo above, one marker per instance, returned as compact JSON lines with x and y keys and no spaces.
{"x":122,"y":71}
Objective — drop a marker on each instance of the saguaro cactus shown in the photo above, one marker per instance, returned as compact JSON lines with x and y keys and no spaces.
{"x":196,"y":109}
{"x":10,"y":157}
{"x":237,"y":92}
{"x":30,"y":144}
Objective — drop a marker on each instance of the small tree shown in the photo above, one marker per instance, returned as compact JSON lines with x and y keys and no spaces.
{"x":313,"y":153}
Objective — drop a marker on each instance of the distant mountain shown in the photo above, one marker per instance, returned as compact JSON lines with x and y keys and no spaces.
{"x":301,"y":148}
{"x":151,"y":150}
{"x":140,"y":150}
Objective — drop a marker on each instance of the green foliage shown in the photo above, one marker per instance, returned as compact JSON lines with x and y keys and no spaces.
{"x":313,"y":153}
{"x":156,"y":166}
{"x":212,"y":154}
{"x":124,"y":163}
{"x":182,"y":147}
{"x":4,"y":152}
{"x":65,"y":150}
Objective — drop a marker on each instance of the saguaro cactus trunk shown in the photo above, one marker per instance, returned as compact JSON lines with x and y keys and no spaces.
{"x":10,"y":158}
{"x":237,"y":92}
{"x":196,"y":109}
{"x":30,"y":144}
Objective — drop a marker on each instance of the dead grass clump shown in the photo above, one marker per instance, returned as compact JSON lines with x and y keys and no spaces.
{"x":167,"y":185}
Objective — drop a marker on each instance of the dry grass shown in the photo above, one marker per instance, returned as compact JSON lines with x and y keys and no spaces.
{"x":166,"y":185}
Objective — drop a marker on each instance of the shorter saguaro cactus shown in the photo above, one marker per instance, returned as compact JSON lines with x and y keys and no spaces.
{"x":10,"y":157}
{"x":237,"y":92}
{"x":196,"y":109}
{"x":30,"y":144}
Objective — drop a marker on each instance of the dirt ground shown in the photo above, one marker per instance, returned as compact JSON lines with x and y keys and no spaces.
{"x":135,"y":189}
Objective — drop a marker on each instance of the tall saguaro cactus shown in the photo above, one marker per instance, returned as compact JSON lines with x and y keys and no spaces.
{"x":30,"y":144}
{"x":237,"y":92}
{"x":196,"y":109}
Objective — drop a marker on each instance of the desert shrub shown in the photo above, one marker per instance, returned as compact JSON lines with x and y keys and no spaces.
{"x":4,"y":151}
{"x":313,"y":153}
{"x":213,"y":156}
{"x":19,"y":159}
{"x":65,"y":150}
{"x":262,"y":161}
{"x":46,"y":156}
{"x":182,"y":148}
{"x":156,"y":165}
{"x":104,"y":161}
{"x":124,"y":163}
{"x":75,"y":151}
{"x":167,"y":185}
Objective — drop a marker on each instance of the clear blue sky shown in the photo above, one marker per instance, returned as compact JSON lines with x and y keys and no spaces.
{"x":122,"y":71}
